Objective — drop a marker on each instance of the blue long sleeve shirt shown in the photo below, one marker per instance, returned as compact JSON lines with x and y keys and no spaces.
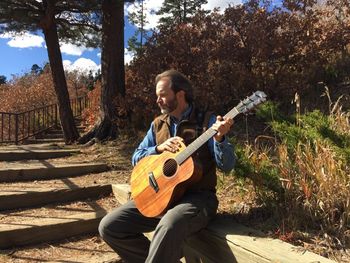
{"x":222,"y":152}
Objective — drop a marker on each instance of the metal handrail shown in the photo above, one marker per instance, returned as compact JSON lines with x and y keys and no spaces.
{"x":18,"y":126}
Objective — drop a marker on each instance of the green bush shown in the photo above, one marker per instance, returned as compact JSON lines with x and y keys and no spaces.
{"x":305,"y":169}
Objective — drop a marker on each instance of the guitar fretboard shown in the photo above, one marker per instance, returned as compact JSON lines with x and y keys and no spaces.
{"x":196,"y":144}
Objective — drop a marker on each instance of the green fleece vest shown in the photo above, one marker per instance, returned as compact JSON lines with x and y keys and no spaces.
{"x":189,"y":130}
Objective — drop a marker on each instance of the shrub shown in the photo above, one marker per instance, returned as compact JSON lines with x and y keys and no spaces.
{"x":309,"y":160}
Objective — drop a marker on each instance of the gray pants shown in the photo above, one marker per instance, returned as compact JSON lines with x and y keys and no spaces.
{"x":123,"y":227}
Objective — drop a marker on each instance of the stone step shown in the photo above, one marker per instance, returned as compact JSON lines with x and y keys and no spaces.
{"x":46,"y":170}
{"x":38,"y":154}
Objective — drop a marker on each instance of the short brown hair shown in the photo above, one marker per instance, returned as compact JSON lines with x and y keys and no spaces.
{"x":178,"y":81}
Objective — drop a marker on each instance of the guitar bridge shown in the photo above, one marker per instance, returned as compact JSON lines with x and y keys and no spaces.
{"x":153,"y":182}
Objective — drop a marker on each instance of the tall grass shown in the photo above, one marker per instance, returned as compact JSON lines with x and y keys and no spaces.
{"x":303,"y":170}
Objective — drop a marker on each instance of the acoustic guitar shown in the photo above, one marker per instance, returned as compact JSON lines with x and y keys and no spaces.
{"x":157,"y":181}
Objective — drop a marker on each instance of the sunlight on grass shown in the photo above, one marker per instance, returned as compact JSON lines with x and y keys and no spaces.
{"x":303,"y":171}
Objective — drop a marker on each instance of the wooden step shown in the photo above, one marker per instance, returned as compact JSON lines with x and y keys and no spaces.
{"x":49,"y":136}
{"x":49,"y":229}
{"x":58,"y":129}
{"x":31,"y":141}
{"x":33,"y":147}
{"x":16,"y":172}
{"x":53,"y":222}
{"x":224,"y":240}
{"x":38,"y":154}
{"x":14,"y":198}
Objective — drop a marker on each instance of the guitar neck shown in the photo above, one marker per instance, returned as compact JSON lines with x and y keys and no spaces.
{"x":196,"y":144}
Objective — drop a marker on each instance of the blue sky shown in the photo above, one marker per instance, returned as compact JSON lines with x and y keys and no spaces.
{"x":19,"y":53}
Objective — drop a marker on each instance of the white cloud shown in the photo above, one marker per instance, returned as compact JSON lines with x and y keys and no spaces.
{"x":74,"y":50}
{"x":222,"y":4}
{"x":24,"y":40}
{"x":128,"y":56}
{"x":152,"y":6}
{"x":82,"y":65}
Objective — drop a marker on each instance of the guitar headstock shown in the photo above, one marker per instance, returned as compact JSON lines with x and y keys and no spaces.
{"x":251,"y":102}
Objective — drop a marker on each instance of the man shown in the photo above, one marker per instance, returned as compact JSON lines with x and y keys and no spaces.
{"x":122,"y":228}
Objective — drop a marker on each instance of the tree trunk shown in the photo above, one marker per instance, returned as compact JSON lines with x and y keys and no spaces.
{"x":70,"y":131}
{"x":112,"y":69}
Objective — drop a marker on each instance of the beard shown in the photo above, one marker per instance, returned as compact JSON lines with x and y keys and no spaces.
{"x":169,"y":107}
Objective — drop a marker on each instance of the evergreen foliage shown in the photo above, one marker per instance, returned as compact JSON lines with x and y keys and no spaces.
{"x":36,"y":69}
{"x":138,"y":18}
{"x":175,"y":12}
{"x":2,"y":79}
{"x":77,"y":21}
{"x":71,"y":21}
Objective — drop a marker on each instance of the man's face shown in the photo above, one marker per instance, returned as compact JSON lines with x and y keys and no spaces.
{"x":166,"y":98}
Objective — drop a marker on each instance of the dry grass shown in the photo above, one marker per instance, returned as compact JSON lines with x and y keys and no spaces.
{"x":311,"y":166}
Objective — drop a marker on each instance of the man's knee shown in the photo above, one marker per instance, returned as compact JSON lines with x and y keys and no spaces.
{"x":110,"y":225}
{"x":102,"y":228}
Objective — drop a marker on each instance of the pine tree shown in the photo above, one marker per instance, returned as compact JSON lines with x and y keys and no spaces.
{"x":112,"y":69}
{"x":139,"y":20}
{"x":2,"y":79}
{"x":79,"y":22}
{"x":36,"y":69}
{"x":178,"y":11}
{"x":73,"y":21}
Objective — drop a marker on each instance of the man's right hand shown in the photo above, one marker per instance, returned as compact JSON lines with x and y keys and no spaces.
{"x":171,"y":145}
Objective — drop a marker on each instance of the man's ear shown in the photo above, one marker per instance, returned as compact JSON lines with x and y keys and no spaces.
{"x":181,"y":94}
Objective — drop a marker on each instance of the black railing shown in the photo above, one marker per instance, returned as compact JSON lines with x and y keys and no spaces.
{"x":16,"y":127}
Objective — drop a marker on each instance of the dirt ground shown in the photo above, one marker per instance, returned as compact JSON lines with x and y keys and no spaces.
{"x":235,"y":199}
{"x":84,"y":249}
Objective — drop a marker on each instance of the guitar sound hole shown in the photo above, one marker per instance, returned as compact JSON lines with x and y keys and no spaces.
{"x":170,"y":167}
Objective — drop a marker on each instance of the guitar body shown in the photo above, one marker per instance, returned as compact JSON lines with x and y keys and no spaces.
{"x":157,"y":181}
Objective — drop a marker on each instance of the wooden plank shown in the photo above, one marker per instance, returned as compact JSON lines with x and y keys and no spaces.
{"x":7,"y":155}
{"x":31,"y":198}
{"x":227,"y":241}
{"x":255,"y":243}
{"x":50,"y":229}
{"x":15,"y":174}
{"x":237,"y":243}
{"x":121,"y":192}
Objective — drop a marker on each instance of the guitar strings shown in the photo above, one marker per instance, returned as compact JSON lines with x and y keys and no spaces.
{"x":170,"y":167}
